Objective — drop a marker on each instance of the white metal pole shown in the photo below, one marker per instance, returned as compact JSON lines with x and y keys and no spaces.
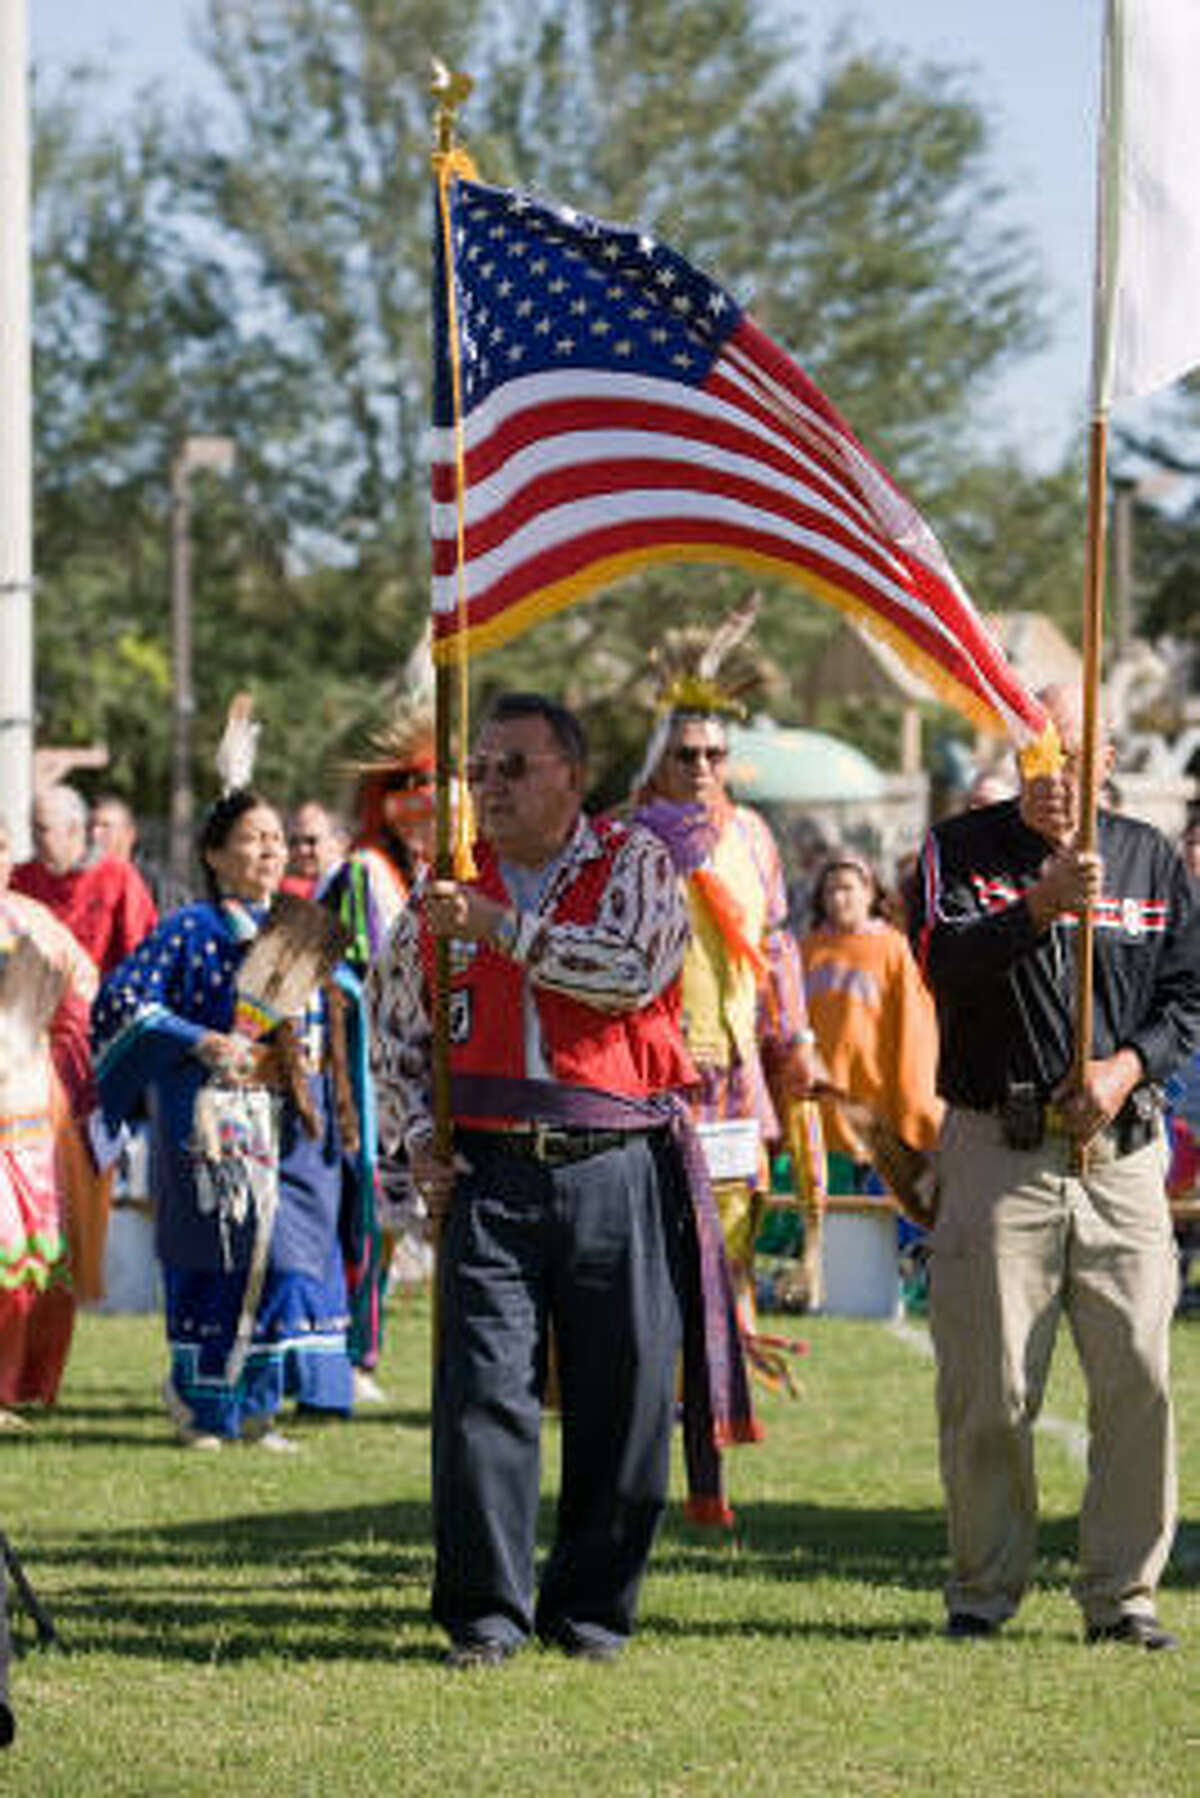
{"x":16,"y":431}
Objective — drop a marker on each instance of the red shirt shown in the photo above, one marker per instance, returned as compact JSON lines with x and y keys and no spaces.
{"x":106,"y":905}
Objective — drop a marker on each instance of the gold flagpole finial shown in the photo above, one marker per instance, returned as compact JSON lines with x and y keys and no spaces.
{"x":450,"y":88}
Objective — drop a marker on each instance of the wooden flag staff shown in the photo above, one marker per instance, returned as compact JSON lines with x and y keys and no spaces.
{"x":1089,"y":769}
{"x":450,"y":88}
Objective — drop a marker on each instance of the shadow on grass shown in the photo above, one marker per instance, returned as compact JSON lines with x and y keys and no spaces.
{"x":292,"y":1585}
{"x":349,"y":1583}
{"x":146,"y":1426}
{"x":896,"y":1547}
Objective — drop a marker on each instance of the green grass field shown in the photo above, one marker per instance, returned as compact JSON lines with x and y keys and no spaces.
{"x":256,"y":1624}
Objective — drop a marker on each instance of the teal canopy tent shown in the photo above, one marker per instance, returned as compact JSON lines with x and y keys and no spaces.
{"x":781,"y":764}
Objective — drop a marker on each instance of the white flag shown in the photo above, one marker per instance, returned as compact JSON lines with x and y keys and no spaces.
{"x":1147,"y":329}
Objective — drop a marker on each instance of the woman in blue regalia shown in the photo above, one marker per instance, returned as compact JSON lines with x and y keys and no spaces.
{"x":259,"y":1151}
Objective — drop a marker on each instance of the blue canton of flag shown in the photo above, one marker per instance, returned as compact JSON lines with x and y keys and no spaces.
{"x":541,"y":288}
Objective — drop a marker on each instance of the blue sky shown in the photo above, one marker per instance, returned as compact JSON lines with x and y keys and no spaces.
{"x":1032,"y":64}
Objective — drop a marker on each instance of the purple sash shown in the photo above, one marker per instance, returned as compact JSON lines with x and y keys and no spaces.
{"x":716,"y":1391}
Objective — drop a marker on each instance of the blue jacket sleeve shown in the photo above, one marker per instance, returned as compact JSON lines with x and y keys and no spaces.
{"x":137,"y":1036}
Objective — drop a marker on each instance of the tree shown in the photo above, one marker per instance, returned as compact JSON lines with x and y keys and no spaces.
{"x":264,"y":274}
{"x":131,"y":329}
{"x":1017,"y":537}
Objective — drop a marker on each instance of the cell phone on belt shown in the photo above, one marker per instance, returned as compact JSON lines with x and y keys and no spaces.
{"x":1022,"y":1116}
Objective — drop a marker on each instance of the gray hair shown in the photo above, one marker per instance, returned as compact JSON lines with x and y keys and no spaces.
{"x":69,"y":803}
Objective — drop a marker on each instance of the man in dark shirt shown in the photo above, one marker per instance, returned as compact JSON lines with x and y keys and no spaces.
{"x":1023,"y":1233}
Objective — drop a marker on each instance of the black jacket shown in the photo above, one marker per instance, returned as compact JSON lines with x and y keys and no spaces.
{"x":1005,"y":995}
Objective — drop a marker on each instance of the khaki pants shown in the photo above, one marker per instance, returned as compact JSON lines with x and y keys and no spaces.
{"x":1019,"y":1240}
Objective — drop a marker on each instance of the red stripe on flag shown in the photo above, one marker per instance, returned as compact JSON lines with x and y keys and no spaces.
{"x":590,"y":480}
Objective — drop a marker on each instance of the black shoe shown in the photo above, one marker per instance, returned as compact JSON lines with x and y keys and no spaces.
{"x":582,"y":1645}
{"x":1135,"y":1628}
{"x":593,"y":1651}
{"x":465,"y":1657}
{"x":960,"y":1625}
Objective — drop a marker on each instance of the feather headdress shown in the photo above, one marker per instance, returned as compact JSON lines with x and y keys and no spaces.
{"x":406,"y":740}
{"x":700,"y":670}
{"x":404,"y":743}
{"x":238,"y":745}
{"x":704,"y":671}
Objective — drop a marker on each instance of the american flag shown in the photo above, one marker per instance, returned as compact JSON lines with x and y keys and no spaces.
{"x":618,"y":408}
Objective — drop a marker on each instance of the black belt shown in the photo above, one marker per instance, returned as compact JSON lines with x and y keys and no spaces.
{"x":1137,"y":1123}
{"x":551,"y":1144}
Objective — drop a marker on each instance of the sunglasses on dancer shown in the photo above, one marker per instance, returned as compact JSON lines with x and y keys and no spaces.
{"x":690,"y":755}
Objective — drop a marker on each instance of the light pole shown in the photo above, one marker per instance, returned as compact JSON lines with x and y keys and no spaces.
{"x":218,"y":454}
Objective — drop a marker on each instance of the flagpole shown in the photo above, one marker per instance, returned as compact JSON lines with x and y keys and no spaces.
{"x":450,"y":89}
{"x":1089,"y":770}
{"x":1093,"y":573}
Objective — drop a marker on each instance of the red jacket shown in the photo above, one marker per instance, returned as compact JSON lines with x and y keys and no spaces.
{"x":635,"y":1052}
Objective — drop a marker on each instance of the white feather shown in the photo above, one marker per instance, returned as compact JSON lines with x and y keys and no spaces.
{"x":418,"y":679}
{"x":238,"y":746}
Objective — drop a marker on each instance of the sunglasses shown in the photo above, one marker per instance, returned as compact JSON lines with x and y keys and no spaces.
{"x":512,"y":766}
{"x":690,"y":755}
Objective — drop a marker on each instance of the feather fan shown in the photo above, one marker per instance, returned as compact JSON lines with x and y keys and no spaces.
{"x":297,"y":948}
{"x":909,"y":1174}
{"x":30,"y":990}
{"x":31,"y":987}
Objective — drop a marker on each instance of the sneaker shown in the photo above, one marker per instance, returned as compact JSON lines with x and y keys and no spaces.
{"x":1135,"y":1628}
{"x":201,"y":1439}
{"x":367,"y":1390}
{"x":275,"y":1443}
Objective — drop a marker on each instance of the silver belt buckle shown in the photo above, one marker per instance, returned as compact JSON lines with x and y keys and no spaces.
{"x":539,"y":1140}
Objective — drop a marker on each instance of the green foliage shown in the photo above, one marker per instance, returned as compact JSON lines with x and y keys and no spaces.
{"x":1160,"y":462}
{"x":1166,"y":576}
{"x":1016,"y":538}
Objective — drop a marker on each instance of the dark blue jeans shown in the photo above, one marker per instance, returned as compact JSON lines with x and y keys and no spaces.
{"x":592,"y":1250}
